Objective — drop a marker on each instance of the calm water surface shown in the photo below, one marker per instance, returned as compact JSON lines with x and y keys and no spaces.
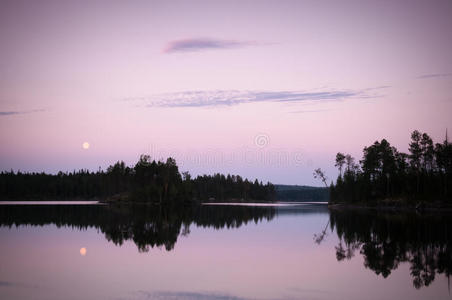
{"x":222,"y":252}
{"x":49,"y":203}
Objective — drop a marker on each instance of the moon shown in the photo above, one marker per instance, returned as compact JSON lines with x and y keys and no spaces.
{"x":85,"y":145}
{"x":82,"y":251}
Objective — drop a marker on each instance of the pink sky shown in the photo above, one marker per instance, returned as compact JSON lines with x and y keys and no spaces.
{"x":265,"y":89}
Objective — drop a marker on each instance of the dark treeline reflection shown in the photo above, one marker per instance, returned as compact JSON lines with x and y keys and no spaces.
{"x":147,"y":226}
{"x":386,"y":239}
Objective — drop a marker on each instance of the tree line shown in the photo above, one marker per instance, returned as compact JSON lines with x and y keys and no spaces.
{"x":148,"y":181}
{"x":301,"y":193}
{"x":423,"y":174}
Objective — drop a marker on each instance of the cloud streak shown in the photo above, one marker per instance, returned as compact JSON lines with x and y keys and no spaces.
{"x":9,"y":113}
{"x":199,"y":44}
{"x":438,"y":75}
{"x":163,"y":295}
{"x":309,"y":111}
{"x":173,"y":295}
{"x":235,"y":97}
{"x":19,"y":112}
{"x":17,"y":284}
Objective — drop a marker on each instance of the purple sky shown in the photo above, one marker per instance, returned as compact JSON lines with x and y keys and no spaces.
{"x":265,"y":89}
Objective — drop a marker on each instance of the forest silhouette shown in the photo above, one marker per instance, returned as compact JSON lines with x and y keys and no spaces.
{"x":148,"y":181}
{"x":384,"y":173}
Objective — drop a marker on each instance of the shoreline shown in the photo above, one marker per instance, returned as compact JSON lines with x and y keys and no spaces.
{"x":423,"y":207}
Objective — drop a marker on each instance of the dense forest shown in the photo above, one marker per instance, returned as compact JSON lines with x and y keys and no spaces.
{"x":148,"y":181}
{"x":384,"y":173}
{"x":301,"y":193}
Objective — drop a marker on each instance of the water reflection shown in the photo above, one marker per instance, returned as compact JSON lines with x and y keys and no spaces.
{"x":147,"y":226}
{"x":387,"y":239}
{"x":277,"y":258}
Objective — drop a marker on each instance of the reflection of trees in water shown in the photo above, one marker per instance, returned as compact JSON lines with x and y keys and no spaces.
{"x":386,"y":239}
{"x":147,"y":226}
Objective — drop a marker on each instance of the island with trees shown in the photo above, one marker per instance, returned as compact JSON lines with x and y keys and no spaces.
{"x":390,"y":177}
{"x":149,"y":181}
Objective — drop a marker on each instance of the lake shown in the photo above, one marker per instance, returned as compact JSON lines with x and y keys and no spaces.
{"x":220,"y":252}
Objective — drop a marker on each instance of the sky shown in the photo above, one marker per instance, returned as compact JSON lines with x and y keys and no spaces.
{"x":265,"y":89}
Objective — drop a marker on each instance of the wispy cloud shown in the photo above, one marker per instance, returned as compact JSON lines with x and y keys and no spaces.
{"x":235,"y":97}
{"x":309,"y":111}
{"x":198,"y":44}
{"x":184,"y":296}
{"x":16,"y":284}
{"x":381,"y":87}
{"x":9,"y":113}
{"x":428,"y":76}
{"x":19,"y":112}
